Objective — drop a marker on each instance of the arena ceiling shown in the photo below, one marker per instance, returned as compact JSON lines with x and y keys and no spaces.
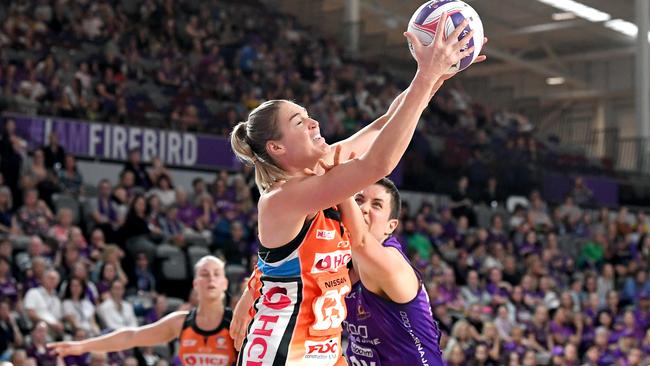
{"x":524,"y":36}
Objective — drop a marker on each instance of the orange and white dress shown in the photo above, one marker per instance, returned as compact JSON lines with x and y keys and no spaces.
{"x":201,"y":347}
{"x":299,"y":291}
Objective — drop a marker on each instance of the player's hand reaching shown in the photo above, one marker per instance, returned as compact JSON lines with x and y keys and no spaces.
{"x":436,"y":58}
{"x":446,"y":77}
{"x":337,"y":161}
{"x":63,"y":349}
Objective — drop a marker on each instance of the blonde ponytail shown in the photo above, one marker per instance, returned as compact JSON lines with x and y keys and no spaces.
{"x":248,"y":140}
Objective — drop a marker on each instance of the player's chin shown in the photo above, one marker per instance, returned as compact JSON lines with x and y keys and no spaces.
{"x":324,"y":146}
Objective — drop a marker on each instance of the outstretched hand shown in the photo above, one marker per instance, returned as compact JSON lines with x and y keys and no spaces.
{"x":337,"y":161}
{"x":63,"y":349}
{"x":443,"y":78}
{"x":443,"y":52}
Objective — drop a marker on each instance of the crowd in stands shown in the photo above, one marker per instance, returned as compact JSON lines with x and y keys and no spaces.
{"x":78,"y":261}
{"x":534,"y":285}
{"x":202,"y":65}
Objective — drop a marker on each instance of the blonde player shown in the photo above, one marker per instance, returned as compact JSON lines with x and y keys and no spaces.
{"x":302,"y":280}
{"x":203,"y":332}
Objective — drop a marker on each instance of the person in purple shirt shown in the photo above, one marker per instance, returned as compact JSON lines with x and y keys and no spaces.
{"x":8,"y":286}
{"x":187,"y":212}
{"x":78,"y":360}
{"x":158,"y":311}
{"x":37,"y":349}
{"x":389,"y":318}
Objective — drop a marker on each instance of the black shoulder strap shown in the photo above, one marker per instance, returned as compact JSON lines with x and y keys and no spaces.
{"x":227,"y":317}
{"x":189,"y":319}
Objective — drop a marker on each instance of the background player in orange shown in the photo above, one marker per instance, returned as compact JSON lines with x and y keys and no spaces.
{"x":302,"y":277}
{"x":203,"y":332}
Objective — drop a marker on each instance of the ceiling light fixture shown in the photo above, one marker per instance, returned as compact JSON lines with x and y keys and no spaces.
{"x":556,"y":80}
{"x":594,"y":15}
{"x":580,"y":10}
{"x":567,"y":15}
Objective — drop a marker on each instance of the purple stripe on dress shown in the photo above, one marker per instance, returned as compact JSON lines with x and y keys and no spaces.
{"x":458,"y":18}
{"x":430,"y":8}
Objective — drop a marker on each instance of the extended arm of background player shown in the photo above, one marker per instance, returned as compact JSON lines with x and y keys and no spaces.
{"x":382,"y":270}
{"x":160,"y":332}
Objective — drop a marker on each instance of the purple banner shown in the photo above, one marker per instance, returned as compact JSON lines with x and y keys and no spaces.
{"x":113,"y":142}
{"x":557,"y":186}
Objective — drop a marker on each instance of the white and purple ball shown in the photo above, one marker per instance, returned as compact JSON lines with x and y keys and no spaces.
{"x":424,"y":23}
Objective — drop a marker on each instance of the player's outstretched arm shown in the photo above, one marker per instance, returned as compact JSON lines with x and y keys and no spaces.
{"x":160,"y":332}
{"x":297,"y":197}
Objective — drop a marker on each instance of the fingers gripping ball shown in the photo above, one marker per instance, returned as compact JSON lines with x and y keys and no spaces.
{"x":425,"y":20}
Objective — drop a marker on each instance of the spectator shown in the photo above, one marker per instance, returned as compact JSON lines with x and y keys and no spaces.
{"x":198,"y":190}
{"x":80,"y":360}
{"x":36,"y":252}
{"x":136,"y":220}
{"x":108,"y":275}
{"x":492,"y":195}
{"x":43,"y":305}
{"x":20,"y":358}
{"x":127,"y":183}
{"x":62,"y":230}
{"x":144,"y":279}
{"x":158,"y":311}
{"x":6,"y":217}
{"x":134,"y":166}
{"x":105,"y":212}
{"x":10,"y":335}
{"x":112,"y":254}
{"x":187,"y":212}
{"x":54,"y":153}
{"x":580,"y":193}
{"x":636,"y":286}
{"x":78,"y":310}
{"x":11,"y":162}
{"x":37,"y":170}
{"x":70,"y":180}
{"x":157,"y":169}
{"x":236,"y":249}
{"x":474,"y":292}
{"x":172,"y":228}
{"x":538,"y":216}
{"x":80,"y":273}
{"x":38,"y":349}
{"x":34,"y":217}
{"x":462,"y":203}
{"x":207,"y":216}
{"x":24,"y":101}
{"x":114,"y":312}
{"x":9,"y":289}
{"x":97,"y":244}
{"x":164,"y":190}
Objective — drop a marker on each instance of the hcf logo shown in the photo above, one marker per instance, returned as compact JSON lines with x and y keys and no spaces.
{"x":331,"y":262}
{"x":281,"y":300}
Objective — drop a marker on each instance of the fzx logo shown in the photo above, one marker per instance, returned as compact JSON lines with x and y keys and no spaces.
{"x":325,"y":350}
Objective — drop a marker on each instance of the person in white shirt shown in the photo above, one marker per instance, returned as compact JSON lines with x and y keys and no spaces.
{"x":114,"y":312}
{"x":43,"y":304}
{"x":77,"y":309}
